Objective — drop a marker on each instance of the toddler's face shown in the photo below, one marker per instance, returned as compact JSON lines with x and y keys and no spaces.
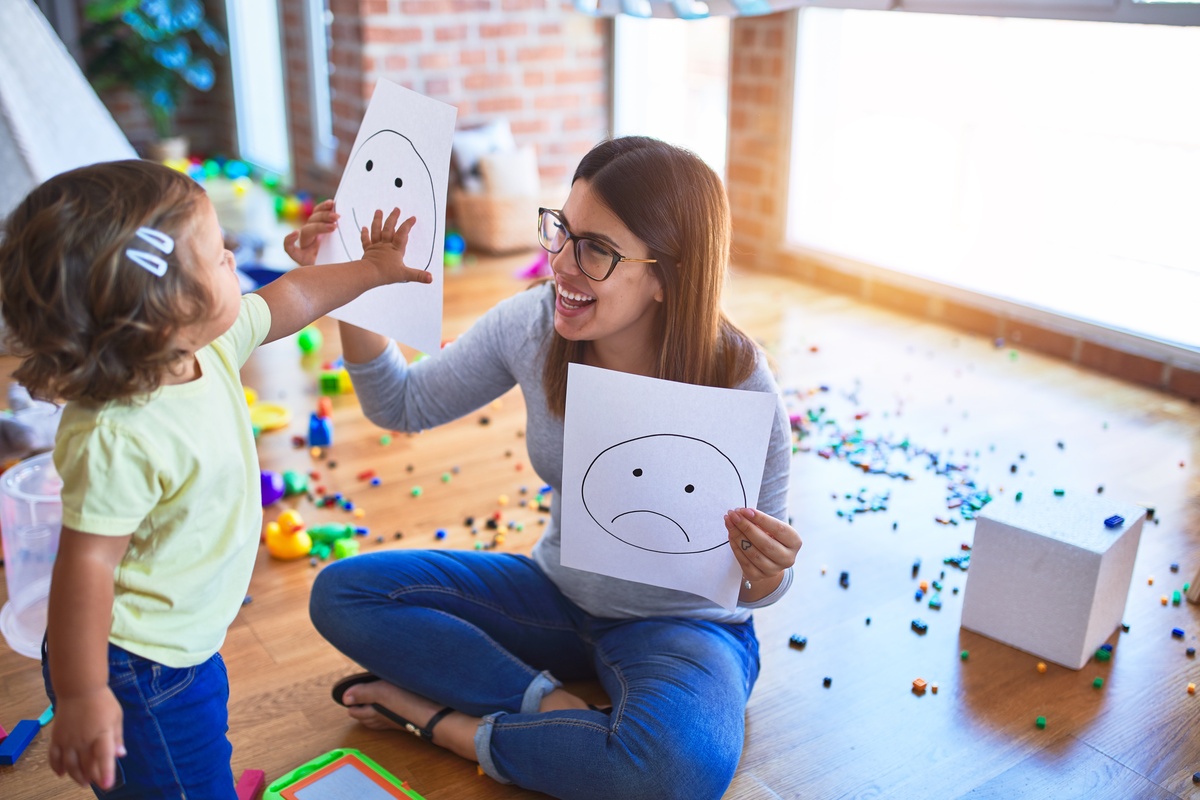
{"x":205,"y":251}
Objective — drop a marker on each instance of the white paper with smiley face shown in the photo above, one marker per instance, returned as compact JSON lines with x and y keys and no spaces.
{"x":632,"y":447}
{"x":647,"y":492}
{"x":388,"y":173}
{"x":400,"y":158}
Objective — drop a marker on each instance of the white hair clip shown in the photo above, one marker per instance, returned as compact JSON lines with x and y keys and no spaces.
{"x":151,"y":262}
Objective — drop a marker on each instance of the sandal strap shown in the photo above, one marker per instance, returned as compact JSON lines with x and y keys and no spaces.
{"x":426,"y":733}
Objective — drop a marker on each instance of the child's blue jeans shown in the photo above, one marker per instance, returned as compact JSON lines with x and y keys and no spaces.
{"x":174,"y":727}
{"x":490,"y":635}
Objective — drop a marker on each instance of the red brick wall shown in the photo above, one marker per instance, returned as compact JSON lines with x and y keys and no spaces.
{"x":538,"y":63}
{"x":760,"y":110}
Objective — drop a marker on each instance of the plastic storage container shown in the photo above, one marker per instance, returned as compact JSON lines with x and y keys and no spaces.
{"x":30,"y":522}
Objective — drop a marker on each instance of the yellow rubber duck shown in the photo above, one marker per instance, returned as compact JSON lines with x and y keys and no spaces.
{"x":286,"y":538}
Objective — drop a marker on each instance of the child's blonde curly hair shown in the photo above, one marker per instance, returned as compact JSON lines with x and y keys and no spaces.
{"x":88,"y":321}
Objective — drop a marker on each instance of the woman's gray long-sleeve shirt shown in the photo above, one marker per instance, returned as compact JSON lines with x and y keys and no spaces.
{"x":506,"y":347}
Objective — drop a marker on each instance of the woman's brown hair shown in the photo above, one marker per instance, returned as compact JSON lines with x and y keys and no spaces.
{"x":90,"y":324}
{"x":672,"y":201}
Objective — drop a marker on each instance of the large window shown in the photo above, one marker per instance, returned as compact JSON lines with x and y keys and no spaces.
{"x":320,"y":20}
{"x":672,"y":82}
{"x":1053,"y":163}
{"x":258,"y":89}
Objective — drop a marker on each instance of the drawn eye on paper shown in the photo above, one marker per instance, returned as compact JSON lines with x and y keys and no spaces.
{"x":665,"y":493}
{"x":387,"y":172}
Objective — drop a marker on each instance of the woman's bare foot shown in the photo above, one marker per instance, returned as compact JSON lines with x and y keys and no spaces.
{"x":413,"y":707}
{"x":455,"y":731}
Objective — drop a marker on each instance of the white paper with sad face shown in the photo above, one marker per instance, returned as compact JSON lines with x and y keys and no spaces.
{"x":400,"y":158}
{"x":649,"y":469}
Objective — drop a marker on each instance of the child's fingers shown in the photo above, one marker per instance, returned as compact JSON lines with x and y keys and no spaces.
{"x":55,"y":757}
{"x":103,"y":771}
{"x":324,"y":206}
{"x":416,"y":276}
{"x":365,"y":235}
{"x":377,"y":225}
{"x":389,"y":225}
{"x":72,"y":766}
{"x":403,"y":231}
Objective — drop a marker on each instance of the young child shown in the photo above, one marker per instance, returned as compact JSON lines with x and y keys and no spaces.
{"x":121,"y":299}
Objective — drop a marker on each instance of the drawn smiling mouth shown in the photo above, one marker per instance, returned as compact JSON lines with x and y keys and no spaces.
{"x":657,"y":514}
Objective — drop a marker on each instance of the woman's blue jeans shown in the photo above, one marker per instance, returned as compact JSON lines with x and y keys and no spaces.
{"x":175,"y":721}
{"x":490,"y":635}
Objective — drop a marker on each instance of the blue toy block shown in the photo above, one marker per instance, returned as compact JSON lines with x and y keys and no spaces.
{"x":320,"y":431}
{"x":15,"y":743}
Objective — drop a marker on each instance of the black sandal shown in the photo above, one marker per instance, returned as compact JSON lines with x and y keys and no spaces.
{"x":426,"y":733}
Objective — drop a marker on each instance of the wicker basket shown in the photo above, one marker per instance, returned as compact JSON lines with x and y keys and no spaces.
{"x":495,"y":224}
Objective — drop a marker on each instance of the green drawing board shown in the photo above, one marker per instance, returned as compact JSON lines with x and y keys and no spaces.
{"x":343,"y":774}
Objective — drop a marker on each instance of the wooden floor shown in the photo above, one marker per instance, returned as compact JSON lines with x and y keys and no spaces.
{"x":866,"y":735}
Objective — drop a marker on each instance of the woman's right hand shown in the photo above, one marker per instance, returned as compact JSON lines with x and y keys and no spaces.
{"x":86,"y":738}
{"x":303,"y":245}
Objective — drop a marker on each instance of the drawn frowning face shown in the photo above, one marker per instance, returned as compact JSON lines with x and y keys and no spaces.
{"x":387,"y":172}
{"x":665,"y":493}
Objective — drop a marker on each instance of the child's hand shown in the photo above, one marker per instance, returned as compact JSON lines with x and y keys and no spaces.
{"x":86,"y":738}
{"x":302,"y":245}
{"x":384,"y":245}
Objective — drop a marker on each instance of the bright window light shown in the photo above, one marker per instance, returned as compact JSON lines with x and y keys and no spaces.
{"x":672,"y":83}
{"x":1052,"y":163}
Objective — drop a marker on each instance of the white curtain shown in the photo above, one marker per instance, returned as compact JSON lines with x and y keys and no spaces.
{"x":50,"y":118}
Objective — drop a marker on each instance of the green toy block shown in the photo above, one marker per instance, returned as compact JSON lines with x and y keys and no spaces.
{"x":330,"y":532}
{"x":294,"y":482}
{"x":331,"y":383}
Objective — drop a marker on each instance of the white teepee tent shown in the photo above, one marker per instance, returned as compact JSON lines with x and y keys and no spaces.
{"x":50,"y":118}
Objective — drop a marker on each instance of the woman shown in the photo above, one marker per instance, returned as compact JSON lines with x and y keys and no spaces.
{"x":468,"y":649}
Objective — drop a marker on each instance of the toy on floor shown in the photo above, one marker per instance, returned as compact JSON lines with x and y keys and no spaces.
{"x":17,"y":740}
{"x":27,"y":427}
{"x":286,"y":537}
{"x":251,"y":785}
{"x":339,"y":774}
{"x":455,"y":247}
{"x":540,"y":268}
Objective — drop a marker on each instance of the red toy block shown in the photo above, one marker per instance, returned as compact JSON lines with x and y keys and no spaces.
{"x":15,"y":743}
{"x":250,"y":786}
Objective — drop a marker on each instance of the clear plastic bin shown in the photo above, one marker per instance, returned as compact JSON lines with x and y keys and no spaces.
{"x":30,"y":522}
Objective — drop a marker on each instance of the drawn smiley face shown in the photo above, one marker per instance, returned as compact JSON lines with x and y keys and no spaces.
{"x":387,"y":171}
{"x":665,"y":493}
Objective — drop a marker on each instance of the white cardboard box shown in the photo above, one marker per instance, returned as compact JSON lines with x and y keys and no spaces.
{"x":1046,"y":576}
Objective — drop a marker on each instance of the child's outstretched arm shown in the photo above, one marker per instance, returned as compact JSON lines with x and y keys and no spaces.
{"x":306,"y":294}
{"x":86,"y":738}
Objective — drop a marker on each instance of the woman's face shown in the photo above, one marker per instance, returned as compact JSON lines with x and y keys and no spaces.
{"x":619,"y":311}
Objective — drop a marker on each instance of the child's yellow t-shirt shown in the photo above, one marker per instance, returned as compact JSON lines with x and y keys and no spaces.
{"x":180,"y":473}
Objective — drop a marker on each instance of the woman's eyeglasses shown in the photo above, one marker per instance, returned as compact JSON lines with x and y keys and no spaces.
{"x":595,"y":259}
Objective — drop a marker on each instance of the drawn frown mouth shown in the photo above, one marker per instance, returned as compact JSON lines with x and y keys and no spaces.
{"x":657,"y":514}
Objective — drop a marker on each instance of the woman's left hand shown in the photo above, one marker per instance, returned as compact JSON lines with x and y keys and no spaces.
{"x":763,"y":545}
